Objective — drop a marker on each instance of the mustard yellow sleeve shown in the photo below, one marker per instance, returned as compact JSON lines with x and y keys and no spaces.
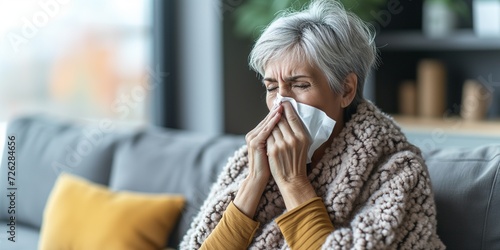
{"x":306,"y":226}
{"x":234,"y":231}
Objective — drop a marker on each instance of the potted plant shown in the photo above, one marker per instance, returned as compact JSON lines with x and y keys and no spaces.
{"x":253,"y":15}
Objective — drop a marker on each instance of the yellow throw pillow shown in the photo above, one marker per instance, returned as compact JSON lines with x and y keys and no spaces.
{"x":83,"y":215}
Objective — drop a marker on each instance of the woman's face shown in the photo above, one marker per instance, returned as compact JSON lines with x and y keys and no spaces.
{"x":304,"y":83}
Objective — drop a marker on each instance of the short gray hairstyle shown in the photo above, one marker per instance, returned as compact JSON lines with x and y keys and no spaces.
{"x":327,"y":36}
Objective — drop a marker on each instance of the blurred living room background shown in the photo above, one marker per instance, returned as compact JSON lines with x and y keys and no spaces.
{"x":183,"y":64}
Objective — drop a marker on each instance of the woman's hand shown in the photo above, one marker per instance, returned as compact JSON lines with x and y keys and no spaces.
{"x":287,"y":149}
{"x":257,"y":146}
{"x":253,"y":186}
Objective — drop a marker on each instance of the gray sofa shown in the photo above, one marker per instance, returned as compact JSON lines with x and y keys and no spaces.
{"x":466,"y":180}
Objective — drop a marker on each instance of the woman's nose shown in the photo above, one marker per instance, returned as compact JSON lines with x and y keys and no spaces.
{"x":284,"y":91}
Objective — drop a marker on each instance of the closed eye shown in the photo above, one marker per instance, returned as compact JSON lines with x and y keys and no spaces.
{"x":301,"y":85}
{"x":270,"y":84}
{"x":271,"y":89}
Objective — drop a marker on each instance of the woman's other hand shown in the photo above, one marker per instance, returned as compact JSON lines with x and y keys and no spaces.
{"x":253,"y":186}
{"x":287,"y":149}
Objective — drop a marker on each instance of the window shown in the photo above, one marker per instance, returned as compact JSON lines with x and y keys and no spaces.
{"x":82,"y":58}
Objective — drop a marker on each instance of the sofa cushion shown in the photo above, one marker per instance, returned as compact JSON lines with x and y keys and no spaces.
{"x":158,"y":160}
{"x":466,"y":183}
{"x":46,"y":146}
{"x":84,"y":215}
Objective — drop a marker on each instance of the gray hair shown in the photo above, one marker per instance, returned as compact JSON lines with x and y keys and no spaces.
{"x":324,"y":34}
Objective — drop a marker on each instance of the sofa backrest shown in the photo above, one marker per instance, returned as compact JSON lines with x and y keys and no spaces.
{"x":149,"y":159}
{"x":43,"y":148}
{"x":466,"y":184}
{"x":157,"y":160}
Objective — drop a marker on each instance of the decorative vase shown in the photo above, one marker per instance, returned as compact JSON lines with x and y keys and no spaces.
{"x":476,"y":99}
{"x":408,"y":98}
{"x":431,"y":88}
{"x":438,"y":19}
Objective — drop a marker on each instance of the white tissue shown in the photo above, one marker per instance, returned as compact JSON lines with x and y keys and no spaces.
{"x":318,"y":124}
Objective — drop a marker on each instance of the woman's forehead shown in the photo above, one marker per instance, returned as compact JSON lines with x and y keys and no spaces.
{"x":289,"y":67}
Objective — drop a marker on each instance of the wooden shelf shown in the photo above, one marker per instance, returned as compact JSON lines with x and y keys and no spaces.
{"x":453,"y":125}
{"x":415,"y":41}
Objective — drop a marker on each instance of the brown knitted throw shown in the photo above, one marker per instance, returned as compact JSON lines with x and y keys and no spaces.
{"x":374,"y":184}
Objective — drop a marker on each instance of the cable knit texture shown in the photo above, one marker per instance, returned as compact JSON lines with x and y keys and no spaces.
{"x":374,"y":184}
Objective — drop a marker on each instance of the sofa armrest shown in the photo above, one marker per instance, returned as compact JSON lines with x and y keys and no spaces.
{"x":466,"y":183}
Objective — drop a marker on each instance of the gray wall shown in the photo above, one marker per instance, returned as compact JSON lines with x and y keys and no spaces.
{"x":200,"y":93}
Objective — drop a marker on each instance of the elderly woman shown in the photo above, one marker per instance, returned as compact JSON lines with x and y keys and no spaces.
{"x":365,"y":187}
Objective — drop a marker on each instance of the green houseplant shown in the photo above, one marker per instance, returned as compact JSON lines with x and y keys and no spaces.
{"x":253,"y":15}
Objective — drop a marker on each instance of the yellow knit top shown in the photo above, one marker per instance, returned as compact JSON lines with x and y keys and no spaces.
{"x":304,"y":227}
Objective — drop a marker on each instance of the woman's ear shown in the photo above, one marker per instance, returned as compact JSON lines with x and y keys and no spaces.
{"x":350,"y":87}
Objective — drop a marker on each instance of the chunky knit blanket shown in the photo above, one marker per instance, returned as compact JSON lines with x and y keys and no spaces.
{"x":374,"y":184}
